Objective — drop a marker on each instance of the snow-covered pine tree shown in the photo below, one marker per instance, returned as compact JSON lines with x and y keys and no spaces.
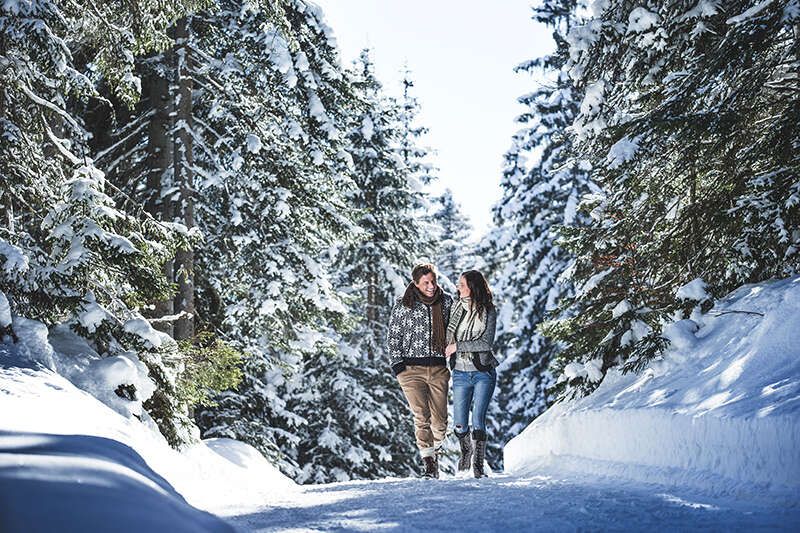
{"x":76,"y":250}
{"x":155,"y":139}
{"x":420,"y":170}
{"x":414,"y":154}
{"x":365,"y":430}
{"x":355,"y":426}
{"x":272,"y":171}
{"x":387,"y":200}
{"x":689,"y":116}
{"x":44,"y":93}
{"x":542,"y":184}
{"x":237,"y":131}
{"x":454,"y":249}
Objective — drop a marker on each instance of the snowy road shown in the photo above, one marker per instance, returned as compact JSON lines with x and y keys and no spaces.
{"x":504,"y":503}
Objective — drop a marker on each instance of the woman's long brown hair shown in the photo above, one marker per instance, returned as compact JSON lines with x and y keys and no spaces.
{"x":479,"y":291}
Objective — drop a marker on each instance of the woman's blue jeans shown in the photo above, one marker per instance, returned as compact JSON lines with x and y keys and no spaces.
{"x":472,"y":389}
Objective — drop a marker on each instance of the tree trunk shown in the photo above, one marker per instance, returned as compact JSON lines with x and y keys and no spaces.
{"x":184,"y":176}
{"x":693,"y":226}
{"x":372,"y":309}
{"x":6,"y":182}
{"x":5,"y":193}
{"x":159,"y":177}
{"x":9,"y":209}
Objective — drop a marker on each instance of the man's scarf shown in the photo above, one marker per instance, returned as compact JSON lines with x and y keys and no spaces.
{"x":437,"y":320}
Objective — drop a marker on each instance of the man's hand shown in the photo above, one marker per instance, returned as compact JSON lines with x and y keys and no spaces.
{"x":450,"y":349}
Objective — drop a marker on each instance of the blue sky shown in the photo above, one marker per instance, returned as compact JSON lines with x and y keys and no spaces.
{"x":461,"y":54}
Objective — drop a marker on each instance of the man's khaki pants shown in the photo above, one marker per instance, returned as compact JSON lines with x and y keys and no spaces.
{"x":425,"y":388}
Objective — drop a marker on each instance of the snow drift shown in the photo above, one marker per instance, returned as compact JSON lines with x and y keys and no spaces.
{"x":62,"y":449}
{"x":719,"y":411}
{"x":83,"y":483}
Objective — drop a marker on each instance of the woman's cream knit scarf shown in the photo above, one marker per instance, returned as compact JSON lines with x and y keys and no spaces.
{"x":466,"y":324}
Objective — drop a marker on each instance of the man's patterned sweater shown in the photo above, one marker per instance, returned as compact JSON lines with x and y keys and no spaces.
{"x":410,"y":335}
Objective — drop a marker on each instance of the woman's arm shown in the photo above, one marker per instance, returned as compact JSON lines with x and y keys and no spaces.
{"x":485,"y":342}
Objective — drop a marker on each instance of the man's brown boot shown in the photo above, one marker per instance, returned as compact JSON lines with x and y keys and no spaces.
{"x":431,"y":467}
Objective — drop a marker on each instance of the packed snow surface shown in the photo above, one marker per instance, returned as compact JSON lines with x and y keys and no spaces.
{"x":719,"y":411}
{"x":548,"y":500}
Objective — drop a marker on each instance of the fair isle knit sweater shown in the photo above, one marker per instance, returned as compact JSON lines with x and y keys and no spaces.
{"x":409,"y":337}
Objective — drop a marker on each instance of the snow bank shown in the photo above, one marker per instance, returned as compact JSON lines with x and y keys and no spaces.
{"x":82,"y":483}
{"x":102,"y":377}
{"x":60,"y":445}
{"x":5,"y":311}
{"x":33,"y":345}
{"x":720,"y":411}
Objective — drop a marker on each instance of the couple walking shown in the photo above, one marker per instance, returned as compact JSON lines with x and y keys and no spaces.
{"x":430,"y":335}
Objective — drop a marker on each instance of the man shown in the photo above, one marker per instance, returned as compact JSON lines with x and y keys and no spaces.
{"x":416,"y":341}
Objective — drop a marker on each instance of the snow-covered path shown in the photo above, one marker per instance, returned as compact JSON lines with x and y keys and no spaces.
{"x":719,"y":413}
{"x":506,"y":503}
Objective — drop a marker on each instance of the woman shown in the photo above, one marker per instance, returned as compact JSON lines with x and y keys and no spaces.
{"x":470,"y":335}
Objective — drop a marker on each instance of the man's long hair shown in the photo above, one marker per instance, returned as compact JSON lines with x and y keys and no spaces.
{"x":479,"y":291}
{"x":410,"y":296}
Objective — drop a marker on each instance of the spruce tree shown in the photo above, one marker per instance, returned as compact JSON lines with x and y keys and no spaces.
{"x":356,"y":421}
{"x":454,"y":247}
{"x":689,"y":117}
{"x":378,"y":266}
{"x":542,"y":184}
{"x":273,"y":178}
{"x":419,"y":168}
{"x":47,"y":174}
{"x":78,"y":251}
{"x":364,"y":429}
{"x":415,"y":155}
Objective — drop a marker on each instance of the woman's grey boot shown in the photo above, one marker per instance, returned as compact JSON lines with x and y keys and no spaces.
{"x":466,"y":451}
{"x":480,"y":452}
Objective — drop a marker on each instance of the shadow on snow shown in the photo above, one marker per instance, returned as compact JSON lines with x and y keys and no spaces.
{"x":504,"y":503}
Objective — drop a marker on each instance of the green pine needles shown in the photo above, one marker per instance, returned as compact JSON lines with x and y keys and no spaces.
{"x":211,"y":366}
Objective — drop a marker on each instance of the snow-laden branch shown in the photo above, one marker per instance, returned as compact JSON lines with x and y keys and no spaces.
{"x":49,"y":105}
{"x":170,"y":318}
{"x":142,"y":123}
{"x":58,"y":142}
